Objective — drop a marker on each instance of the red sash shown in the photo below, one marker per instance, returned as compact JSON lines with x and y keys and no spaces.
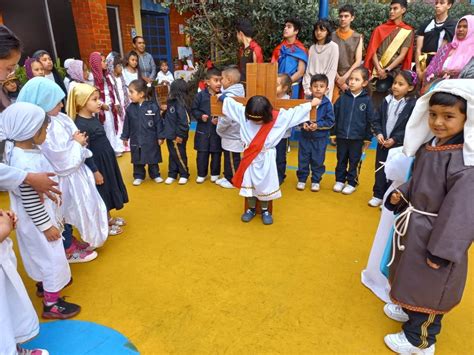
{"x":255,"y":147}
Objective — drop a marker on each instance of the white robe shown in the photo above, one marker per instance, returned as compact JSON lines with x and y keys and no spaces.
{"x":82,"y":205}
{"x":261,"y":177}
{"x":18,"y":319}
{"x":121,"y":115}
{"x":397,"y":168}
{"x":43,"y":260}
{"x":109,"y":124}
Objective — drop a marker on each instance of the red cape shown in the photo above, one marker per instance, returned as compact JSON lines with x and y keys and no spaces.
{"x":255,"y":47}
{"x":276,"y":51}
{"x":378,"y":36}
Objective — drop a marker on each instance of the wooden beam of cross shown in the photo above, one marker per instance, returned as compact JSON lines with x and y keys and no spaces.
{"x":261,"y":80}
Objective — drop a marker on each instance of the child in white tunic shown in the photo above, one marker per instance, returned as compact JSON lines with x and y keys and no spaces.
{"x":257,"y":174}
{"x":66,"y":149}
{"x":18,"y":319}
{"x":24,"y":127}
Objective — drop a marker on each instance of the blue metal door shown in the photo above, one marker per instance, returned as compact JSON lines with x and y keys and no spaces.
{"x":156,"y":32}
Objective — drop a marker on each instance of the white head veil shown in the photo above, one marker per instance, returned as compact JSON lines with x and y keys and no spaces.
{"x":19,"y":122}
{"x":418,"y":131}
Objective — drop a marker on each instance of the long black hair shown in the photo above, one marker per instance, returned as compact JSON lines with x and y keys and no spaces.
{"x":258,"y":109}
{"x":8,"y":42}
{"x":323,"y":25}
{"x":179,"y":91}
{"x":139,"y":85}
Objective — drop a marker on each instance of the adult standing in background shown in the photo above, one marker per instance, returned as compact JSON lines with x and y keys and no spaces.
{"x":146,"y":62}
{"x":350,"y":45}
{"x":249,"y":51}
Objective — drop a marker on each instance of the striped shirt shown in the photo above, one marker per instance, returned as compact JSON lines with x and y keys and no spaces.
{"x":34,"y":207}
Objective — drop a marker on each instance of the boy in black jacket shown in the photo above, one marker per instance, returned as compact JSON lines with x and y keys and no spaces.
{"x":175,"y":130}
{"x":207,"y":142}
{"x":354,"y":113}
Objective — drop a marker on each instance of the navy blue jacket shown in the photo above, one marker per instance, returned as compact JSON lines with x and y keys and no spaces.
{"x":354,"y":116}
{"x":324,"y":120}
{"x":175,"y":121}
{"x":143,"y":126}
{"x":206,"y":139}
{"x":398,"y":133}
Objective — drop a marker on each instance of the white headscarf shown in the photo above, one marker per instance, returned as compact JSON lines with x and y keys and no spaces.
{"x":418,"y":130}
{"x":19,"y":122}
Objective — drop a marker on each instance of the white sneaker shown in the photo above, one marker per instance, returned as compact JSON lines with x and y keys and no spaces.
{"x":399,"y":343}
{"x":338,"y":186}
{"x":169,"y":180}
{"x":395,"y":312}
{"x":226,"y":184}
{"x":214,"y":178}
{"x":375,"y":202}
{"x":200,"y":179}
{"x":219,"y":181}
{"x":158,"y":180}
{"x":182,"y":181}
{"x":137,"y":182}
{"x":300,"y":186}
{"x":315,"y":187}
{"x":348,"y":190}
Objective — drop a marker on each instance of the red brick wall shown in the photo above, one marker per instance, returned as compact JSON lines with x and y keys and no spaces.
{"x":92,"y":26}
{"x":177,"y":40}
{"x":126,"y":21}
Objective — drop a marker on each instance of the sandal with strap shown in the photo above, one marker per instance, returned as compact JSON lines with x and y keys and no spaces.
{"x":117,"y":221}
{"x":115,"y":230}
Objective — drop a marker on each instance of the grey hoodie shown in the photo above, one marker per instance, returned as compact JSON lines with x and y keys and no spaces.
{"x":228,"y":129}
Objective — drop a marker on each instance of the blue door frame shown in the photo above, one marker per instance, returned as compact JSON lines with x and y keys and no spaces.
{"x":156,"y":32}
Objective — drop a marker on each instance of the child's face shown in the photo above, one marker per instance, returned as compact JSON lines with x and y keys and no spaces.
{"x":281,"y":90}
{"x":289,"y":31}
{"x":400,"y":87}
{"x":135,"y":96}
{"x":133,"y":61}
{"x":321,"y":34}
{"x":37,"y":69}
{"x":47,"y":62}
{"x":442,"y":7}
{"x":93,"y":105}
{"x":357,"y":82}
{"x":164,"y":67}
{"x":461,"y":30}
{"x":54,"y":112}
{"x":40,"y":136}
{"x":446,"y":121}
{"x":103,"y":63}
{"x":10,"y":86}
{"x":319,"y":89}
{"x":214,"y":83}
{"x":118,"y":70}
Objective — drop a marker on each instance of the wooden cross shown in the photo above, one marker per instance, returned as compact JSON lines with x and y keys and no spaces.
{"x":261,"y":80}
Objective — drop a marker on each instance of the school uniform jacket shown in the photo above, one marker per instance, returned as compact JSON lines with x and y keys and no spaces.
{"x":176,"y":121}
{"x":443,"y":185}
{"x":324,"y":120}
{"x":206,"y":139}
{"x":379,"y":123}
{"x":354,"y":116}
{"x":143,"y":126}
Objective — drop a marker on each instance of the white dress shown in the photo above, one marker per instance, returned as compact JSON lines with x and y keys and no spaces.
{"x":128,"y":76}
{"x":82,"y":205}
{"x":109,"y":124}
{"x":121,"y":115}
{"x":397,"y":168}
{"x":261,"y":177}
{"x":43,"y":260}
{"x":18,"y":319}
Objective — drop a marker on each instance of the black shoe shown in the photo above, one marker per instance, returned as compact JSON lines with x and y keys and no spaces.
{"x":248,"y":215}
{"x":60,"y":310}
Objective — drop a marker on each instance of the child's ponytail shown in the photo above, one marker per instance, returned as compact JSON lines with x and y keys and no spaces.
{"x":140,"y":85}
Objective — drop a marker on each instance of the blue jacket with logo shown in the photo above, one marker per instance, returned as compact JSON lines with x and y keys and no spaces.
{"x":354,"y":116}
{"x":324,"y":120}
{"x":176,"y":121}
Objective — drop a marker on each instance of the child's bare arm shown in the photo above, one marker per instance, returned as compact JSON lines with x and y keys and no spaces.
{"x":6,"y":225}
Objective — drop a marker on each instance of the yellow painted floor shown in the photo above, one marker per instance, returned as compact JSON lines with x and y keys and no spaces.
{"x":188,"y":277}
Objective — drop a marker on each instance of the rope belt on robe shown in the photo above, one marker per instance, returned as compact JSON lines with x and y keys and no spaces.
{"x":400,"y":226}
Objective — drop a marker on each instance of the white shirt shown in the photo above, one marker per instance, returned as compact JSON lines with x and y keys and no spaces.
{"x":395,"y":107}
{"x":168,"y":76}
{"x":50,"y":76}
